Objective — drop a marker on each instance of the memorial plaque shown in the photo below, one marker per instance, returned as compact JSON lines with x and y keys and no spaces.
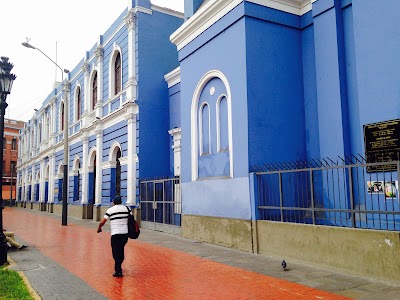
{"x":382,"y":144}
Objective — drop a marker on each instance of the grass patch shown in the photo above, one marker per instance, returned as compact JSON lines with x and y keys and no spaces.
{"x":12,"y":286}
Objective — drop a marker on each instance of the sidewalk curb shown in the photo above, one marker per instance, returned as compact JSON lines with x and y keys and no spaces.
{"x":31,"y":291}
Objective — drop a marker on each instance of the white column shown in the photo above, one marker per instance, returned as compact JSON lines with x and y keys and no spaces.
{"x":131,"y":85}
{"x":17,"y":187}
{"x":53,"y":126}
{"x":41,"y":181}
{"x":99,"y":67}
{"x":51,"y":178}
{"x":132,"y":159}
{"x":86,"y":98}
{"x":84,"y":168}
{"x":176,"y":135}
{"x":33,"y":186}
{"x":99,"y":171}
{"x":26,"y":185}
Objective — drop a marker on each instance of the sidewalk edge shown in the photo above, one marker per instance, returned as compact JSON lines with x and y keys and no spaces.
{"x":31,"y":291}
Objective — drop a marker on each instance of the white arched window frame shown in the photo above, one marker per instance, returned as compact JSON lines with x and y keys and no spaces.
{"x":48,"y":122}
{"x":76,"y":163}
{"x":47,"y":172}
{"x":218,"y":120}
{"x":117,"y":50}
{"x":112,"y":154}
{"x":78,"y":102}
{"x":60,"y":171}
{"x":194,"y":120}
{"x":40,"y":135}
{"x":93,"y":93}
{"x":61,"y":117}
{"x":203,"y":106}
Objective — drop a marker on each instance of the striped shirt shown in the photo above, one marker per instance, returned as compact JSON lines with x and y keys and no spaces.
{"x":118,"y":215}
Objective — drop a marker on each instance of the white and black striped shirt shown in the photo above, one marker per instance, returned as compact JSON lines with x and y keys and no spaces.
{"x":118,"y":215}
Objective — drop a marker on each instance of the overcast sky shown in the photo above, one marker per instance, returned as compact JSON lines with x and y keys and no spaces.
{"x":74,"y":25}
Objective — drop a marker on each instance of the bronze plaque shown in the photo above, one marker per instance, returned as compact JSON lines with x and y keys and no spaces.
{"x":382,"y":144}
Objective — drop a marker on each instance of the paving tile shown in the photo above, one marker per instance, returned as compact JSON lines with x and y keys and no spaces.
{"x":78,"y":265}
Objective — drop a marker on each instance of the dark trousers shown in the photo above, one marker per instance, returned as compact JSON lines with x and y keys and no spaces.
{"x":118,"y":242}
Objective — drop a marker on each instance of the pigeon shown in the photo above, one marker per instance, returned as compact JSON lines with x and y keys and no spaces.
{"x":284,"y":265}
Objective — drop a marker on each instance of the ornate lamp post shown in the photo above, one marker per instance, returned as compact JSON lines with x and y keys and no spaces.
{"x":65,"y":166}
{"x":6,"y":82}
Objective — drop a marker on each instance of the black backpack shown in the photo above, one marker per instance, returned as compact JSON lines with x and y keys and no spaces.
{"x":133,"y":227}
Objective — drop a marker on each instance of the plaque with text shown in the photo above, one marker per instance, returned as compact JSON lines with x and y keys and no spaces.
{"x":382,"y":144}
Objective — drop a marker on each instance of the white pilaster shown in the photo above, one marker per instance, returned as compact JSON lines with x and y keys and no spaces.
{"x":86,"y":98}
{"x":131,"y":85}
{"x":51,"y":178}
{"x":53,"y":127}
{"x":85,"y":173}
{"x":33,"y":187}
{"x":99,"y":67}
{"x":41,"y":181}
{"x":132,"y":159}
{"x":99,"y":170}
{"x":176,"y":135}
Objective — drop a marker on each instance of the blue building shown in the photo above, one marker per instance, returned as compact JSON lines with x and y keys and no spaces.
{"x":276,"y":130}
{"x":117,"y":101}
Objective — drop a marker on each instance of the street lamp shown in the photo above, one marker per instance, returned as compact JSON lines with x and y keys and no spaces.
{"x":65,"y":167}
{"x":6,"y":82}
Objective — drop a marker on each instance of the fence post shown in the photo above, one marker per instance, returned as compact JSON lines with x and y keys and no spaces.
{"x":281,"y":195}
{"x":254,"y":203}
{"x":353,"y":215}
{"x":312,"y":196}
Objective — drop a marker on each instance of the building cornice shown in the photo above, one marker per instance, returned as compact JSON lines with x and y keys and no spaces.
{"x":173,"y":77}
{"x":167,"y":11}
{"x":214,"y":10}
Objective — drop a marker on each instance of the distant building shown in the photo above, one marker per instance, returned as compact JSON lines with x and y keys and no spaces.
{"x":118,"y":84}
{"x":10,"y":158}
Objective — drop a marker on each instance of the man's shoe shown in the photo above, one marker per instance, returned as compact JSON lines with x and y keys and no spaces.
{"x":22,"y":247}
{"x":118,"y":274}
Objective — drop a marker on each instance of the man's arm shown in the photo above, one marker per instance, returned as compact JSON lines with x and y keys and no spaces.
{"x":102,"y":222}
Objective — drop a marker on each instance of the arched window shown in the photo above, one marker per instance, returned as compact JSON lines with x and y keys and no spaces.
{"x":94,"y":90}
{"x":118,"y":174}
{"x":211,"y":128}
{"x":14,"y":144}
{"x":62,"y":116}
{"x":204,"y":130}
{"x":39,"y":134}
{"x":47,"y":127}
{"x":78,"y":103}
{"x":222,"y":123}
{"x":77,"y":180}
{"x":117,"y":74}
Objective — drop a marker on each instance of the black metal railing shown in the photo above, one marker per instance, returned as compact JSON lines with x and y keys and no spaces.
{"x":160,"y":201}
{"x":347,"y":192}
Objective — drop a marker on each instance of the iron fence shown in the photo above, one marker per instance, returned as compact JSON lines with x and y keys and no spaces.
{"x":160,"y":201}
{"x":347,"y":192}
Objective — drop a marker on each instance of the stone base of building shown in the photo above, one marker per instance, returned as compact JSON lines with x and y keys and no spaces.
{"x":369,"y":253}
{"x":232,"y":233}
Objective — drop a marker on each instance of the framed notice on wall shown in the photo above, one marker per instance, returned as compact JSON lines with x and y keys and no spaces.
{"x":382,"y":144}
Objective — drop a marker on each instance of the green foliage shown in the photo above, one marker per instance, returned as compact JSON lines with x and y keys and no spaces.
{"x":12,"y":287}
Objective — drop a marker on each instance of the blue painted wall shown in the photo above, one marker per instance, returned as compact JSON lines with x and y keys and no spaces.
{"x":376,"y":43}
{"x":156,"y":56}
{"x":275,"y":90}
{"x":219,"y":48}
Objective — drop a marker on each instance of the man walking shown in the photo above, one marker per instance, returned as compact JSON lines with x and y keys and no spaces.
{"x":118,"y":215}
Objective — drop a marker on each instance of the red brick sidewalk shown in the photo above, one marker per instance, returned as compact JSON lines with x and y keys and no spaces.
{"x":150,"y":272}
